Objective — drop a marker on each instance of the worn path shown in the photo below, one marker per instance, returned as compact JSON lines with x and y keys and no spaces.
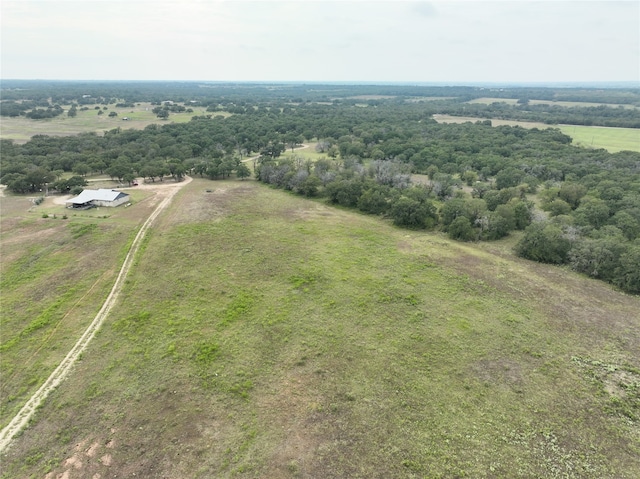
{"x":63,"y":369}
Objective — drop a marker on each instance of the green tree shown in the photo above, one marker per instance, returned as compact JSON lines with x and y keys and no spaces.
{"x":469,"y":177}
{"x":461,"y":229}
{"x":598,"y":258}
{"x":572,"y":193}
{"x":558,"y":207}
{"x":627,"y":223}
{"x":412,"y":213}
{"x":627,"y":275}
{"x":310,"y":186}
{"x":243,"y":171}
{"x":509,"y":177}
{"x":544,"y":242}
{"x":523,"y":211}
{"x":592,"y":211}
{"x":81,"y":169}
{"x":376,"y":200}
{"x":452,"y":209}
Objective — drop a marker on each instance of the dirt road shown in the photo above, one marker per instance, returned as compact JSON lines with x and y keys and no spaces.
{"x":166,"y":192}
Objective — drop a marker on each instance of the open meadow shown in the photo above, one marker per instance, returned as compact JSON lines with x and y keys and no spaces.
{"x":262,"y":334}
{"x":514,"y":101}
{"x":611,"y":139}
{"x":21,"y":129}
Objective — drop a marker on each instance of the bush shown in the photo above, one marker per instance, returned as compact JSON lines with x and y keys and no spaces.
{"x":412,"y":213}
{"x":627,"y":275}
{"x":461,"y":229}
{"x":544,"y":242}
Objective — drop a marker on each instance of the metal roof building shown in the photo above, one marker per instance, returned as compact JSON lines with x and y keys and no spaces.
{"x":101,"y":197}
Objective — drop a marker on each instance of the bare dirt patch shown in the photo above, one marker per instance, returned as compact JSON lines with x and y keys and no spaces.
{"x":208,"y":201}
{"x":499,"y":371}
{"x":297,"y":445}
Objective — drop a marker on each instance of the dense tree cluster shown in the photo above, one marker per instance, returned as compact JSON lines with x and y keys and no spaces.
{"x":477,"y":179}
{"x":19,"y":96}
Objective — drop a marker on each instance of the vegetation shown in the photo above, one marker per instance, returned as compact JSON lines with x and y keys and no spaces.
{"x":281,"y":337}
{"x":370,"y":152}
{"x":372,"y":313}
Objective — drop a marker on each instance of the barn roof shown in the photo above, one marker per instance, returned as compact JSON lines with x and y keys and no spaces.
{"x":102,"y":194}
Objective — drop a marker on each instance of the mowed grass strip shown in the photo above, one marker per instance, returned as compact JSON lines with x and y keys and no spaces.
{"x":265,"y":335}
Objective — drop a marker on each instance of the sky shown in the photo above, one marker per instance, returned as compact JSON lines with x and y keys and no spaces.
{"x":457,"y":42}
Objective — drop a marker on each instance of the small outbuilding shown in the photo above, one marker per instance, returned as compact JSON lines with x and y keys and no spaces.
{"x":101,"y":197}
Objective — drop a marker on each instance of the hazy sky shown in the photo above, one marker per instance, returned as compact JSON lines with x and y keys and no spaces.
{"x":238,"y":40}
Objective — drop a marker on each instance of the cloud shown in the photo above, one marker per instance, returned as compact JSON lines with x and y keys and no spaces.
{"x":321,"y":40}
{"x":424,"y":9}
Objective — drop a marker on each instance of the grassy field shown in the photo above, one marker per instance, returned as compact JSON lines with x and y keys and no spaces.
{"x":581,"y":103}
{"x":611,"y":139}
{"x":22,"y":129}
{"x":489,"y":100}
{"x":55,"y":271}
{"x":494,"y":121}
{"x":514,"y":101}
{"x":265,"y":335}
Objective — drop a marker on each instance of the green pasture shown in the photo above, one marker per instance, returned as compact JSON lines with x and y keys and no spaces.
{"x":611,"y":139}
{"x":21,"y":129}
{"x":265,"y":335}
{"x":309,"y":153}
{"x":57,"y":266}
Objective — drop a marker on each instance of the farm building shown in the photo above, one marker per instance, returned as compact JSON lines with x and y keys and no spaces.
{"x":101,"y":197}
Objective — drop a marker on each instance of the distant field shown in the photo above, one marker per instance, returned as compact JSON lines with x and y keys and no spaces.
{"x":494,"y":121}
{"x":264,"y":335}
{"x":430,"y":98}
{"x":514,"y":101}
{"x":580,"y":103}
{"x":489,"y":100}
{"x":611,"y":139}
{"x":369,"y":97}
{"x":21,"y":129}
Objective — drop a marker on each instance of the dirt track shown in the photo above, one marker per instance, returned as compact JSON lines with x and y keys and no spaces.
{"x":166,"y":192}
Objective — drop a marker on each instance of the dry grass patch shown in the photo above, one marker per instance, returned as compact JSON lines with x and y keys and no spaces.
{"x":494,"y":121}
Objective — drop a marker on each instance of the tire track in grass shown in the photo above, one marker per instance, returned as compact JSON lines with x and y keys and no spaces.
{"x":21,"y":419}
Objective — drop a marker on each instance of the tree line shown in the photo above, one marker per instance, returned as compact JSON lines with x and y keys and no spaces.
{"x":478,"y":181}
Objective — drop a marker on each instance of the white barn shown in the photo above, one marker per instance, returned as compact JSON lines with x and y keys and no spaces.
{"x":101,"y":197}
